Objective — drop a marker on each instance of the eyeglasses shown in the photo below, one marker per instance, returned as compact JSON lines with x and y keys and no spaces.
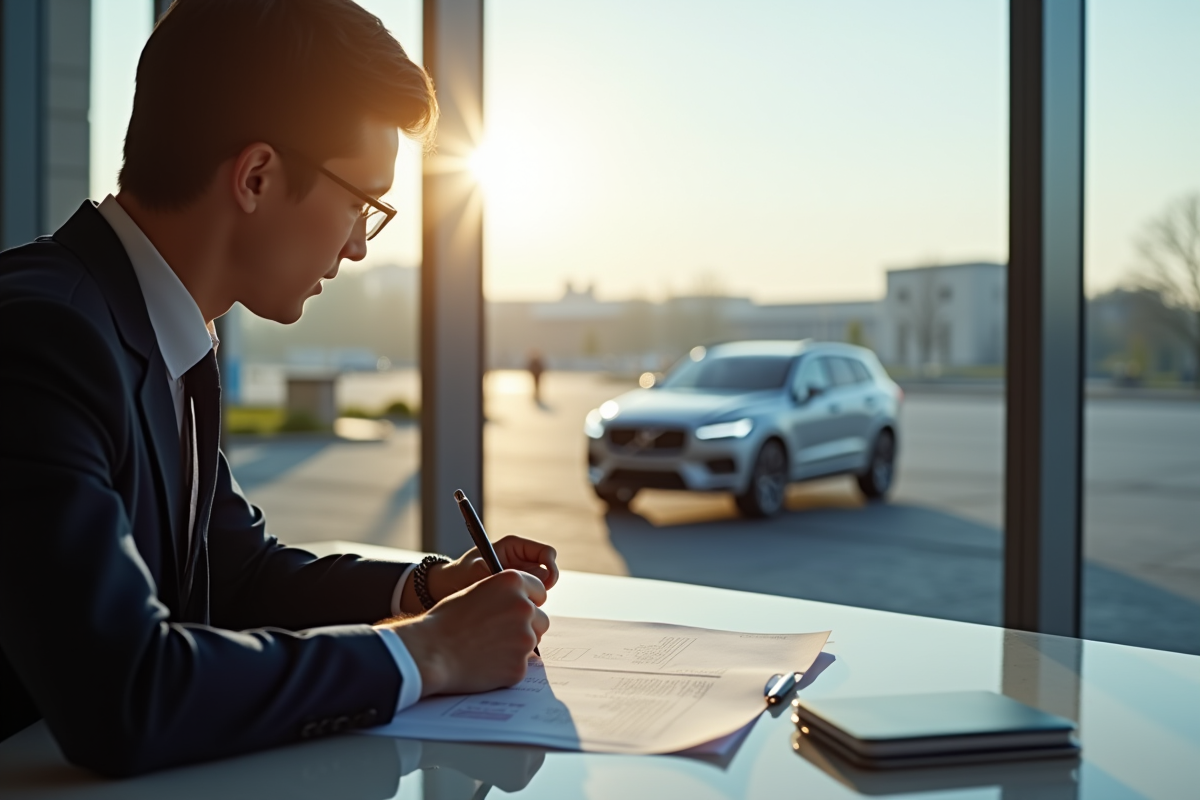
{"x":374,"y":212}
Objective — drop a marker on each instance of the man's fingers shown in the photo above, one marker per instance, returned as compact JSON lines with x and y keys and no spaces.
{"x":530,"y":556}
{"x":551,"y":569}
{"x":541,"y":623}
{"x":534,"y":588}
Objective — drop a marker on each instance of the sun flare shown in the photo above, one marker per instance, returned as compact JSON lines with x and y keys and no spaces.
{"x":482,"y":166}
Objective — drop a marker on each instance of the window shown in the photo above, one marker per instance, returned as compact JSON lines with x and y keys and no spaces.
{"x":840,"y":371}
{"x":812,"y":375}
{"x":861,"y":374}
{"x":878,"y":173}
{"x":945,"y":344}
{"x":730,"y":373}
{"x":1141,"y":502}
{"x":346,"y":372}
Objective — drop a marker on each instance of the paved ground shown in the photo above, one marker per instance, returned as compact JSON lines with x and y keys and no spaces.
{"x":934,"y":550}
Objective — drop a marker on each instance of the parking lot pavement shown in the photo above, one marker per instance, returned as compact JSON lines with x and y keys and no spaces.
{"x":936,"y":549}
{"x":315,"y":488}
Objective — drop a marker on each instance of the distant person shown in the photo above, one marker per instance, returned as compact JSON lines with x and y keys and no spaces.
{"x":145,"y":611}
{"x":536,"y":367}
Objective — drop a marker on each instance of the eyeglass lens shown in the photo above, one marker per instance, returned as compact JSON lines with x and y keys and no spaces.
{"x":376,"y":219}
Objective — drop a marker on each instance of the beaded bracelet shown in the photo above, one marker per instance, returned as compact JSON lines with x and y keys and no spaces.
{"x":421,"y":579}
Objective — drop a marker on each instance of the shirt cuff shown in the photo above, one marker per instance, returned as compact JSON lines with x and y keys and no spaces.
{"x":410,"y":676}
{"x":398,"y":592}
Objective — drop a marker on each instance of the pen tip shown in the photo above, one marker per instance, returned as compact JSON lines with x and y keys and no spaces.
{"x":459,"y":496}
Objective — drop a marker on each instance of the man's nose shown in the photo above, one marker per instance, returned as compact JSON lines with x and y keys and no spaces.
{"x":355,"y":248}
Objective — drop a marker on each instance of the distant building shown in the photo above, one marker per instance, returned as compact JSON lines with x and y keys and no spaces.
{"x":949,"y":316}
{"x":580,"y":331}
{"x":854,"y":322}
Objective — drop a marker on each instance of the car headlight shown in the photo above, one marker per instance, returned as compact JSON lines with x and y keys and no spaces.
{"x":593,"y":424}
{"x":737,"y":429}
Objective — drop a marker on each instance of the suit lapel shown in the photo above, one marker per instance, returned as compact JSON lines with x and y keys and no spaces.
{"x":88,"y":235}
{"x":158,"y":421}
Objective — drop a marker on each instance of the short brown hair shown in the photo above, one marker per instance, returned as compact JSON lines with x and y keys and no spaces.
{"x":218,"y":75}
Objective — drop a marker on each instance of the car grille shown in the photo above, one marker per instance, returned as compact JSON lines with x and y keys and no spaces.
{"x":721,"y":466}
{"x":646,"y":479}
{"x":655,"y":439}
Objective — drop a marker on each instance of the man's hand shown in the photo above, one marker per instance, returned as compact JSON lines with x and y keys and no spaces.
{"x":528,"y":556}
{"x":479,"y":638}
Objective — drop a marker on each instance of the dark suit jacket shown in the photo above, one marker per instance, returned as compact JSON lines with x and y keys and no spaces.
{"x":134,"y":663}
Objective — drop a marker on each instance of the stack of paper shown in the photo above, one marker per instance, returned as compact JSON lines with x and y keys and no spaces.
{"x":621,"y":687}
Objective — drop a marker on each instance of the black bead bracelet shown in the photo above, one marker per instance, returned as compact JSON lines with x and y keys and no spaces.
{"x":421,"y":579}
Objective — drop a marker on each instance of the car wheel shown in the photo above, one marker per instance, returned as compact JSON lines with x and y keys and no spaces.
{"x":881,"y":472}
{"x":618,"y":498}
{"x":764,"y":496}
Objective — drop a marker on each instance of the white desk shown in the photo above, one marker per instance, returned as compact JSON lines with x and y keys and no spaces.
{"x":1138,"y":712}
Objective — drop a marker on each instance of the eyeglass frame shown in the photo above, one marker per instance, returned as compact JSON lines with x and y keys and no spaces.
{"x":377,"y":204}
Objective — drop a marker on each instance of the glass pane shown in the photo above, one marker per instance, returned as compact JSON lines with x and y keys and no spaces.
{"x":671,"y":175}
{"x":325,"y":434}
{"x":718,"y":371}
{"x":1142,"y":273}
{"x":321,"y":416}
{"x":119,"y":30}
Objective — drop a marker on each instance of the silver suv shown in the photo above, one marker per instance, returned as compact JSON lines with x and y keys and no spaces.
{"x":747,"y":418}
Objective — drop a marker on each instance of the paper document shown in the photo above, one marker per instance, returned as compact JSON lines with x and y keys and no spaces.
{"x":620,"y":687}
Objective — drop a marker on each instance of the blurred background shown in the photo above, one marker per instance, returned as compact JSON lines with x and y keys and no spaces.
{"x":660,"y":175}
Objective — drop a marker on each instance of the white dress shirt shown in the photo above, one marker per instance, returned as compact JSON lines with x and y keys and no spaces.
{"x":183,"y":339}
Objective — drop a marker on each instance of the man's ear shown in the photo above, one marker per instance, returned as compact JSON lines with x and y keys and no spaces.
{"x":255,"y":171}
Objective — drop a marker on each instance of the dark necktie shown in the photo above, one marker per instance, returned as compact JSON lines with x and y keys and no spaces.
{"x":202,"y":425}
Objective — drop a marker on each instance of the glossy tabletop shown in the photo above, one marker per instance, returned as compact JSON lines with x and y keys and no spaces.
{"x":1138,"y":712}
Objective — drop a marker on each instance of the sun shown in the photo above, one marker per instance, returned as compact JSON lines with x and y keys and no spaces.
{"x":482,"y":166}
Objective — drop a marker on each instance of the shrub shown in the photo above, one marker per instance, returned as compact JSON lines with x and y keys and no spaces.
{"x":300,"y":422}
{"x":400,"y":410}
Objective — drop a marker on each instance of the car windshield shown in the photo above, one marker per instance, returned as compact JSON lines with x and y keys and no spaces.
{"x":730,"y":373}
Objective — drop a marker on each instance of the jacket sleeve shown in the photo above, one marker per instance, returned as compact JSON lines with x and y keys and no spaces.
{"x":257,"y":581}
{"x":123,"y":688}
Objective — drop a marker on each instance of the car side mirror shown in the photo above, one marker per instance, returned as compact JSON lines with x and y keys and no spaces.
{"x":805,"y":393}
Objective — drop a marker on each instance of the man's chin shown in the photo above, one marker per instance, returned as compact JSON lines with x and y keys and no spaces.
{"x":283,"y":314}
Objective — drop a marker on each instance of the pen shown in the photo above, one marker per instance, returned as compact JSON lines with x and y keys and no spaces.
{"x":780,"y":686}
{"x":478,"y":535}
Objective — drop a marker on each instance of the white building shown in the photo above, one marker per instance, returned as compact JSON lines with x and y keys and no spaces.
{"x":944,"y":316}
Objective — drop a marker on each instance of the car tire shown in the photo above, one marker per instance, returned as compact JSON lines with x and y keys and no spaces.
{"x":877,"y":481}
{"x":764,"y":496}
{"x":617,"y":498}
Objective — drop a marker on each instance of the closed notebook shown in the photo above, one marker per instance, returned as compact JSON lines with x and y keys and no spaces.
{"x":945,"y":723}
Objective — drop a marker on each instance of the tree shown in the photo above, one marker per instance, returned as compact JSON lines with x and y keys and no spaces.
{"x":1169,"y":264}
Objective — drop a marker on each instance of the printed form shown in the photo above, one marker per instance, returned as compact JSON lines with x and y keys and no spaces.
{"x":620,"y":687}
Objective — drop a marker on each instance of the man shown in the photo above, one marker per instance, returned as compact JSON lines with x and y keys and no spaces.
{"x":145,"y":612}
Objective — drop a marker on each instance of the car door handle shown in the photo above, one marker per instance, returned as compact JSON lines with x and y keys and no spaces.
{"x":834,"y":408}
{"x":870,"y":401}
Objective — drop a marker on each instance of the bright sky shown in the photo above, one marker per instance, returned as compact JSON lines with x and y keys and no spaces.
{"x":790,"y":149}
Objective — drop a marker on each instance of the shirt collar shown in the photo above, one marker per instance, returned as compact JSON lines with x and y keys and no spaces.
{"x":183,"y":336}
